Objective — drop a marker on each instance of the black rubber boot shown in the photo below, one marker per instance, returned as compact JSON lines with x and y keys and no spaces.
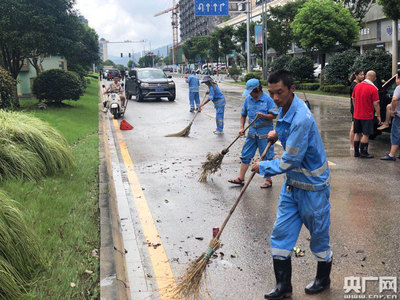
{"x":357,"y":149}
{"x":364,"y":151}
{"x":322,"y":280}
{"x":283,"y":275}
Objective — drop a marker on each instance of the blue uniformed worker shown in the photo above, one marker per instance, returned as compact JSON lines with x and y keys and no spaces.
{"x":304,"y":197}
{"x":194,"y":83}
{"x":260,"y":106}
{"x":216,"y":96}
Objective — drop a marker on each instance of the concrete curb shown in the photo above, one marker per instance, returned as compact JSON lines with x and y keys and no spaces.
{"x":114,"y":283}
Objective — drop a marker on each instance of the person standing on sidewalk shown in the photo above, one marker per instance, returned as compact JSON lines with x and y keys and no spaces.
{"x":194,"y":83}
{"x":355,"y":79}
{"x":304,"y":197}
{"x":395,"y":134}
{"x":366,"y":100}
{"x":215,"y":95}
{"x":257,"y":105}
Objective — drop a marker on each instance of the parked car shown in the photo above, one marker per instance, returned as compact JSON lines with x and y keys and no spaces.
{"x":146,"y":83}
{"x":385,"y":97}
{"x":168,"y":69}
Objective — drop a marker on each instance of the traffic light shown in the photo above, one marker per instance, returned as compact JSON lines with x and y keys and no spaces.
{"x":122,"y":55}
{"x":129,"y":54}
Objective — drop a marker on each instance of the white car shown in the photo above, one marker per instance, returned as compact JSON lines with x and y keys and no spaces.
{"x":317,"y":70}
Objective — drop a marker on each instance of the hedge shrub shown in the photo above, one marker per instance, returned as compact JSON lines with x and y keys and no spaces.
{"x":378,"y":60}
{"x":339,"y":67}
{"x":7,"y":87}
{"x":302,"y":67}
{"x":281,"y":63}
{"x":234,"y":72}
{"x":57,"y":85}
{"x":251,"y":75}
{"x":337,"y":89}
{"x":312,"y":86}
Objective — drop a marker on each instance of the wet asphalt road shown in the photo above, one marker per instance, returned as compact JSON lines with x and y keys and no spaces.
{"x":365,"y":199}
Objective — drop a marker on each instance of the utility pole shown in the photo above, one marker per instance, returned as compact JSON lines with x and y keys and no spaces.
{"x":265,"y":37}
{"x":395,"y":52}
{"x":248,"y":36}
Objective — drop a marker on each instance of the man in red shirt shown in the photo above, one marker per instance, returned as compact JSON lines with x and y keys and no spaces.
{"x":366,"y":100}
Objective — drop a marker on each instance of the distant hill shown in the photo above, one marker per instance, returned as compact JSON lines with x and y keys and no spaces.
{"x":161,"y":51}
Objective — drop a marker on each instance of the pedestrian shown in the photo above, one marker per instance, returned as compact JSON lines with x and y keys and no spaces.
{"x":194,"y":98}
{"x":304,"y":197}
{"x":215,"y":95}
{"x":260,"y":105}
{"x":355,"y":78}
{"x":366,"y":100}
{"x":395,"y":133}
{"x":122,"y":75}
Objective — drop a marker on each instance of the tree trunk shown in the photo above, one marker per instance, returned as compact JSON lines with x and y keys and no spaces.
{"x":322,"y":76}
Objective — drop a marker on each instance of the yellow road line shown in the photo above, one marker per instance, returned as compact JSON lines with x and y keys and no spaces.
{"x":161,"y":266}
{"x":329,"y":162}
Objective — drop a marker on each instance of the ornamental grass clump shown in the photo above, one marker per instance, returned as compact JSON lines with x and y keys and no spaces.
{"x":31,"y":148}
{"x":20,"y":255}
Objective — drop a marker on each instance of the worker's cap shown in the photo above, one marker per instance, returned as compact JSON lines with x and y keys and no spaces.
{"x":251,"y":84}
{"x":206,"y":78}
{"x":193,"y":72}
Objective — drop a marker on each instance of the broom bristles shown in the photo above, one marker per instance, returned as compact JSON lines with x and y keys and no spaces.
{"x":182,"y":133}
{"x":211,"y":165}
{"x":192,"y":284}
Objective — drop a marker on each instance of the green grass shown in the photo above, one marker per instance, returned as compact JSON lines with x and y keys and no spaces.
{"x":63,"y":209}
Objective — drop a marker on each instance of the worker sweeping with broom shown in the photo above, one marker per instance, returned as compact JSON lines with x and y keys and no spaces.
{"x":260,"y":107}
{"x":215,"y":95}
{"x":304,"y":197}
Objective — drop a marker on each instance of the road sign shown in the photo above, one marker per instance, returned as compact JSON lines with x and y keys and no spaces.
{"x":211,"y":8}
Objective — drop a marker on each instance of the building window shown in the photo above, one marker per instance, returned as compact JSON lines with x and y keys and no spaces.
{"x":378,"y":31}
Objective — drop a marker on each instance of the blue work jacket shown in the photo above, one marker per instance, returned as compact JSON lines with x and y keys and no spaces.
{"x":215,"y":95}
{"x":304,"y":160}
{"x":194,"y":83}
{"x":264,"y":105}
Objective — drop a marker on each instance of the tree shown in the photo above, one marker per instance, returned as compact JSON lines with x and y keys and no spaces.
{"x":281,"y":63}
{"x":377,"y":60}
{"x":131,"y":64}
{"x":84,"y":47}
{"x":339,"y":68}
{"x":302,"y":67}
{"x":108,"y":62}
{"x":280,"y":34}
{"x":225,"y":38}
{"x":322,"y":25}
{"x":32,"y":30}
{"x":391,"y":8}
{"x":358,"y":8}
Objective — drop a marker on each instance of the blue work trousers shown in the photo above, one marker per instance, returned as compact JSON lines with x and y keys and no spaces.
{"x":297,"y":207}
{"x":194,"y":98}
{"x":220,"y":108}
{"x":250,"y":147}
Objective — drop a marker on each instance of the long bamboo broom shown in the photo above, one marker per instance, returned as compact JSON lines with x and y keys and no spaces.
{"x":190,"y":285}
{"x":186,"y":130}
{"x":214,"y":161}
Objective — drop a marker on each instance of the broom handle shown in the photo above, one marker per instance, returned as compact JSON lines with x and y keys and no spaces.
{"x":195,"y":115}
{"x":252,"y":122}
{"x":242,"y":192}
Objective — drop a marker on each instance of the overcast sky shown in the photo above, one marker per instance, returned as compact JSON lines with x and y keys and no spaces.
{"x":120,"y":20}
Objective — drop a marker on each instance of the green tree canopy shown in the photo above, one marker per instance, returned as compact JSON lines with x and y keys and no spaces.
{"x":280,"y":35}
{"x":391,"y":8}
{"x":322,"y":25}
